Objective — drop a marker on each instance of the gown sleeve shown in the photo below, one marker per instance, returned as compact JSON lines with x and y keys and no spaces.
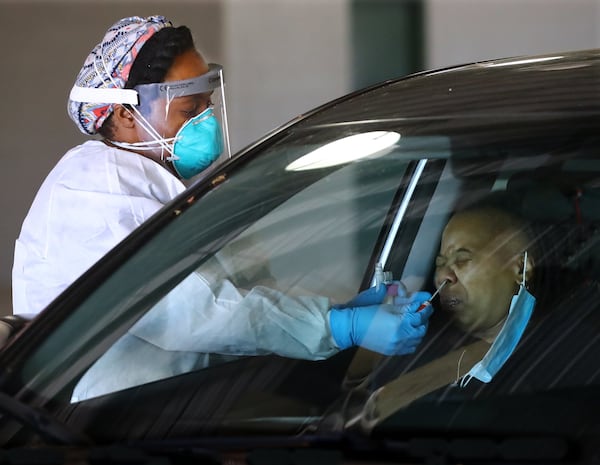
{"x":213,"y":316}
{"x":201,"y":323}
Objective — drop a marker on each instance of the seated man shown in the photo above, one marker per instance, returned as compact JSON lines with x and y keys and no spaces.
{"x":484,"y":264}
{"x":482,"y":260}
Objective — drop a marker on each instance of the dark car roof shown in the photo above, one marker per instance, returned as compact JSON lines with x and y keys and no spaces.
{"x":562,"y":82}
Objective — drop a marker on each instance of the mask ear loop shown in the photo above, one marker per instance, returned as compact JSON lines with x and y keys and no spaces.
{"x":158,"y":142}
{"x":524,"y":277}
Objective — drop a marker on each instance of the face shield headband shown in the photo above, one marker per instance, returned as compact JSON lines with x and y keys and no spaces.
{"x":198,"y":134}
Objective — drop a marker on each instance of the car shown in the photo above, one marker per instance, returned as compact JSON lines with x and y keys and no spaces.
{"x":363,"y":184}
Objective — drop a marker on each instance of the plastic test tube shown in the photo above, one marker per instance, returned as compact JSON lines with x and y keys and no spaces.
{"x":382,"y":277}
{"x":428,"y":302}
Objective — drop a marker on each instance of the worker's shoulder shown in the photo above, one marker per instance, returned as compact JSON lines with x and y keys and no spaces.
{"x":83,"y":157}
{"x":91,"y":151}
{"x":98,"y":167}
{"x":94,"y":158}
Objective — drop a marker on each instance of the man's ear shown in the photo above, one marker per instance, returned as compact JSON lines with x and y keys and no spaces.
{"x":518,"y":268}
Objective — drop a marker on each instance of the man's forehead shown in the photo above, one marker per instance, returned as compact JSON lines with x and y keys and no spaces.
{"x":479,"y":234}
{"x":468,"y":232}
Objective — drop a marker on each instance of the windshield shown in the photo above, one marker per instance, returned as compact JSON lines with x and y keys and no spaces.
{"x":283,"y":229}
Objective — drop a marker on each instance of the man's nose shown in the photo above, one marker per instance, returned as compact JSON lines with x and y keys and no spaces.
{"x":444,"y":273}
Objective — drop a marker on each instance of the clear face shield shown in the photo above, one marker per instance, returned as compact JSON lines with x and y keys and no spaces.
{"x":182,"y":122}
{"x":185,"y":122}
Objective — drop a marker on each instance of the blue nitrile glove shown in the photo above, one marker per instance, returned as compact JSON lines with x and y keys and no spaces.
{"x":389,"y":329}
{"x":371,"y":296}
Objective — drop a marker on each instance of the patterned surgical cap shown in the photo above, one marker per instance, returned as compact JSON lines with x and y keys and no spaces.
{"x":108,"y":66}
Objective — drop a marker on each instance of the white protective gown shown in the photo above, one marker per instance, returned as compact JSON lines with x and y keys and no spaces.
{"x":94,"y":197}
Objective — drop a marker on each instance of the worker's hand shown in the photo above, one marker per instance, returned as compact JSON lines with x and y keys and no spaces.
{"x":390,"y":329}
{"x":375,"y":295}
{"x":371,"y":296}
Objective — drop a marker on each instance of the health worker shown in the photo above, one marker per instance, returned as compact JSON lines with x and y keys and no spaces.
{"x":154,"y":100}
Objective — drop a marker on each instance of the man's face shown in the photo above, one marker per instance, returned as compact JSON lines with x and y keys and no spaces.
{"x":482,"y":276}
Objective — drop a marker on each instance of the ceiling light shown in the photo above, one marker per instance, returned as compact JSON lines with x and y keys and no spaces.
{"x":345,"y":150}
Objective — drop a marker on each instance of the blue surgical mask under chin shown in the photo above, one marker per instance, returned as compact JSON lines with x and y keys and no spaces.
{"x":198,"y":143}
{"x":521,"y":308}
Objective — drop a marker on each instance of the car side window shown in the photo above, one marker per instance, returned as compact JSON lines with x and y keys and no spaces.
{"x":306,"y":254}
{"x":555,"y":197}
